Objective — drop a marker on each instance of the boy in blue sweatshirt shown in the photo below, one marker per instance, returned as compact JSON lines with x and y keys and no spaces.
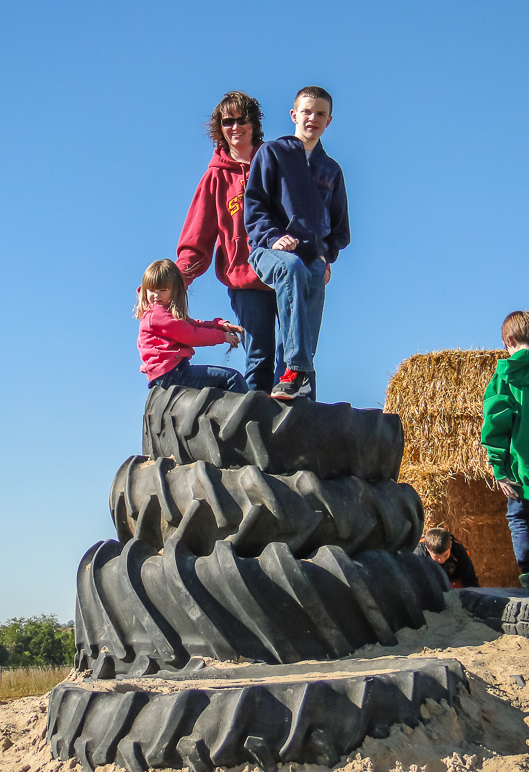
{"x":295,"y":213}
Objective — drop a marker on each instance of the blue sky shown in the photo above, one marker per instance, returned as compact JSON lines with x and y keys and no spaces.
{"x":102,"y":145}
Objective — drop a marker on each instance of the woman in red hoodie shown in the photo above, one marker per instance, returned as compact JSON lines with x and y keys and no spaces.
{"x":215,"y":218}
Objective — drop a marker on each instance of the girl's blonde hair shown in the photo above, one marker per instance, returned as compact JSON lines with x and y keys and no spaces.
{"x":163,"y":274}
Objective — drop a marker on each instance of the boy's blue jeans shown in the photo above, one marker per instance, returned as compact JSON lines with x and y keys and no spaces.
{"x":200,"y":376}
{"x":518,"y":520}
{"x":256,"y":312}
{"x":300,"y":296}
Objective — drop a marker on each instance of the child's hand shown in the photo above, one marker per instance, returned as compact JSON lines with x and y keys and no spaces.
{"x":286,"y":243}
{"x":232,"y":339}
{"x":506,"y":486}
{"x":228,"y":327}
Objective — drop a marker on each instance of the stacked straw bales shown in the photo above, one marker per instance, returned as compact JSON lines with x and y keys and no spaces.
{"x":439,"y":398}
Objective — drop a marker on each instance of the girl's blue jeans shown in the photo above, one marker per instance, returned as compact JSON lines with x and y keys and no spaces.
{"x":518,"y":520}
{"x":200,"y":376}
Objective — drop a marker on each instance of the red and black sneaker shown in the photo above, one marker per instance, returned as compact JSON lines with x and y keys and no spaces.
{"x":292,"y":384}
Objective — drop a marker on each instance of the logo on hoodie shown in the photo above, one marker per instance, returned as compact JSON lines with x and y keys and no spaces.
{"x":235,"y":205}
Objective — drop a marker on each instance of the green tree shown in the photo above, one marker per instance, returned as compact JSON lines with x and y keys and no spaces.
{"x":37,"y":641}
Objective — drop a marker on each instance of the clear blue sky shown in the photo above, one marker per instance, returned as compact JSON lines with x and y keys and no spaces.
{"x":102,"y":145}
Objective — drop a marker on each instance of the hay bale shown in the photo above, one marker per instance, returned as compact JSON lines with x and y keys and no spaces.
{"x":439,"y":398}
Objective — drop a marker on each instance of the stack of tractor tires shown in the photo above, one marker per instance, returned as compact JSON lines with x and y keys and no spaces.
{"x":251,"y":530}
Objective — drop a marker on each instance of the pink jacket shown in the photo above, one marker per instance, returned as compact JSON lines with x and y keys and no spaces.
{"x":216,"y":217}
{"x":164,"y":341}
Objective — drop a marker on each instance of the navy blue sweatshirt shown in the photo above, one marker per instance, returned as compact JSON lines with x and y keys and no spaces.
{"x":286,"y":193}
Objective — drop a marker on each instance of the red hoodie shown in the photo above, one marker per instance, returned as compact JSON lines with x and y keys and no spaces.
{"x":216,"y":217}
{"x":164,"y":341}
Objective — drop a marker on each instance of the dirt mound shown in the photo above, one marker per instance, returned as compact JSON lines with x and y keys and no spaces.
{"x":488,"y":733}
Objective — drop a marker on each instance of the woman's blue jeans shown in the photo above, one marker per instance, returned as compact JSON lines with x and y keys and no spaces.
{"x":300,"y":296}
{"x":256,"y":312}
{"x":200,"y":376}
{"x":518,"y":520}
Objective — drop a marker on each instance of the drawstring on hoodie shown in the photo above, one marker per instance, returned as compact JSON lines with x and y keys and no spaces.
{"x":245,"y":169}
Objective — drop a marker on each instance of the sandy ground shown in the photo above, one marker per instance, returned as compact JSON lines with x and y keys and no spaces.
{"x":489,"y":732}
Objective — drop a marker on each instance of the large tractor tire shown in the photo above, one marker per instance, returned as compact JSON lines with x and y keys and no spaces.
{"x":139,"y":612}
{"x":234,"y":430}
{"x":505,"y":609}
{"x":311,"y":715}
{"x":200,"y":504}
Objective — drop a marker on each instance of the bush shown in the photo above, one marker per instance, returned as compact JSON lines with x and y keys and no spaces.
{"x":35,"y":642}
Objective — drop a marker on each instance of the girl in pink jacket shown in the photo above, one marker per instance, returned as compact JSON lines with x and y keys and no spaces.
{"x":167,"y":335}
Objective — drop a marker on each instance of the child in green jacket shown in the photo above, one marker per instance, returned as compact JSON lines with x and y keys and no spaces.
{"x":505,"y":433}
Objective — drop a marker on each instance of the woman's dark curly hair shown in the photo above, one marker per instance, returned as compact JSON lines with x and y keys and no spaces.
{"x":238,"y":103}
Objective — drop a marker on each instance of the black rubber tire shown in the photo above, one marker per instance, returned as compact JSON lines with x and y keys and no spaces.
{"x":505,"y":609}
{"x":279,"y":719}
{"x":200,"y":504}
{"x":139,"y":612}
{"x":234,"y":430}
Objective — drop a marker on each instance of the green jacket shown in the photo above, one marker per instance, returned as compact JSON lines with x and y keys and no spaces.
{"x":505,"y":433}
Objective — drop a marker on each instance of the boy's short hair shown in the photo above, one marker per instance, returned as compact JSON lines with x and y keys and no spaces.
{"x":237,"y":102}
{"x":438,"y":540}
{"x":314,"y":92}
{"x":516,"y":326}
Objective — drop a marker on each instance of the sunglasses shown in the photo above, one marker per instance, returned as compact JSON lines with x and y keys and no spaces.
{"x":229,"y":122}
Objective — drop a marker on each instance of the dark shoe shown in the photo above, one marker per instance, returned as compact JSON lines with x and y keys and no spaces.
{"x":291,"y":385}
